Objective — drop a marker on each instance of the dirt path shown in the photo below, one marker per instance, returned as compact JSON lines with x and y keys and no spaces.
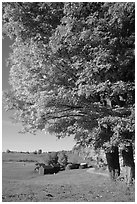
{"x":94,"y":171}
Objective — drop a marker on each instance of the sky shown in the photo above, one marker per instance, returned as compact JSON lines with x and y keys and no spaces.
{"x":15,"y":141}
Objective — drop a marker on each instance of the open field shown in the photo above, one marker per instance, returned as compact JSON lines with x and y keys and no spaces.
{"x":20,"y":157}
{"x":21,"y":184}
{"x":31,"y":157}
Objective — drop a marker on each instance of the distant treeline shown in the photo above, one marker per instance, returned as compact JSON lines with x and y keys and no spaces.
{"x":36,"y":151}
{"x":46,"y":157}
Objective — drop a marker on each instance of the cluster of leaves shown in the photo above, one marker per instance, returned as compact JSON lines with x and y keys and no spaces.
{"x":72,"y":69}
{"x":50,"y":158}
{"x":62,"y":159}
{"x":54,"y":158}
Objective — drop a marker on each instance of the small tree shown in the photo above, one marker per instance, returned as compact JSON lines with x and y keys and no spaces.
{"x":50,"y":158}
{"x":62,"y":159}
{"x":35,"y":152}
{"x":8,"y":151}
{"x":40,"y":151}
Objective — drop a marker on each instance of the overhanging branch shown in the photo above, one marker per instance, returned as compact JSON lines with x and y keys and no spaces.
{"x":65,"y":116}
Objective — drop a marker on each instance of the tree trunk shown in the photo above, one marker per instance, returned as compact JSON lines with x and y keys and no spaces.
{"x":112,"y":157}
{"x":128,"y":163}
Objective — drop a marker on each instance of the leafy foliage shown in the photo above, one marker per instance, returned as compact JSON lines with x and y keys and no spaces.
{"x":62,"y":159}
{"x":8,"y":151}
{"x":52,"y":158}
{"x":40,"y":151}
{"x":73,"y":69}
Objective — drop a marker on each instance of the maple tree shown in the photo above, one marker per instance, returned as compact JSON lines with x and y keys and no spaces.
{"x":72,"y":69}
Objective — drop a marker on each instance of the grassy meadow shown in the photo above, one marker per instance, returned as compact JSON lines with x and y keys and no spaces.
{"x":20,"y":157}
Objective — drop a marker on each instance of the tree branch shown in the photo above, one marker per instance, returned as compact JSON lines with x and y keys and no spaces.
{"x":65,"y":116}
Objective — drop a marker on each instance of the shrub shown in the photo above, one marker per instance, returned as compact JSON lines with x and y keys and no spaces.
{"x":62,"y":159}
{"x":35,"y":152}
{"x":50,"y":158}
{"x":40,"y":151}
{"x":8,"y":151}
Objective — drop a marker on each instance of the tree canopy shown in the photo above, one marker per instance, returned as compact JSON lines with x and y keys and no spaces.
{"x":72,"y":69}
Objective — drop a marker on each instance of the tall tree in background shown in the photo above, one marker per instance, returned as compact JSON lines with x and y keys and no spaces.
{"x":72,"y":69}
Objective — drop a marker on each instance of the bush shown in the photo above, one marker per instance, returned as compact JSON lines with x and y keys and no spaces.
{"x":40,"y":151}
{"x":53,"y":158}
{"x":8,"y":151}
{"x":35,"y":152}
{"x":62,"y":159}
{"x":74,"y":158}
{"x":92,"y":164}
{"x":50,"y":158}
